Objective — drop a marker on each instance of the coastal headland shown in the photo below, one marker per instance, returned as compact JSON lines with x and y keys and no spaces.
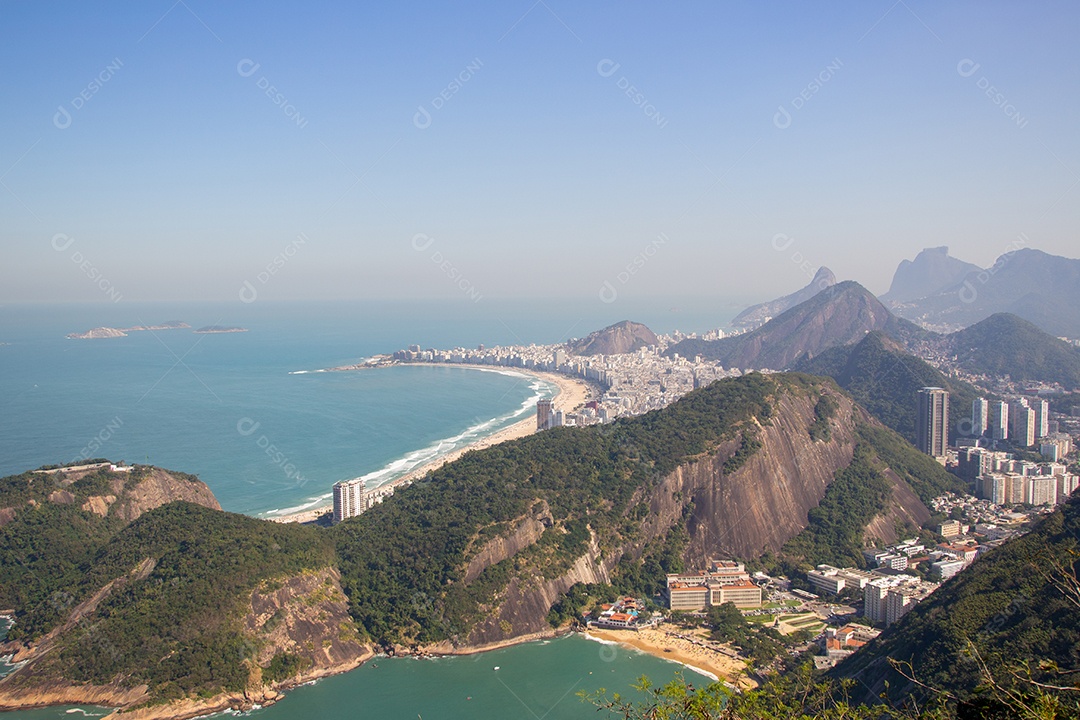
{"x":572,"y":394}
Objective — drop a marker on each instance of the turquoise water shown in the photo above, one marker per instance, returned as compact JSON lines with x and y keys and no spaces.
{"x":535,"y":680}
{"x":235,"y":410}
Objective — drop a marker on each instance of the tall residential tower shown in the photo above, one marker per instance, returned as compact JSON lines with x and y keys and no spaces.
{"x":932,"y":421}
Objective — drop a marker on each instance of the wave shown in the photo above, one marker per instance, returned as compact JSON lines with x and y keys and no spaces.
{"x":440,"y":448}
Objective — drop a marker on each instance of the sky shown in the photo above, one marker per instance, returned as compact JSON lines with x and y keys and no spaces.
{"x":193,"y":150}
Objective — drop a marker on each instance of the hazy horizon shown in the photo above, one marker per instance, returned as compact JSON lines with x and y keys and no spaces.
{"x":179,"y":151}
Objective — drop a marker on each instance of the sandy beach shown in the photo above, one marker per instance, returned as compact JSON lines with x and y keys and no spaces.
{"x":573,"y":394}
{"x":663,"y":642}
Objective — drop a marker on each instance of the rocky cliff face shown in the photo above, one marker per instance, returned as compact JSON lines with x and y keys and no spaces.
{"x":157,"y":487}
{"x":617,"y":339}
{"x":305,"y":615}
{"x":757,"y":315}
{"x":738,"y":514}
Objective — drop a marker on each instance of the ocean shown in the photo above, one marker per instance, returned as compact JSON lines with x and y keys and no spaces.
{"x":249,"y":415}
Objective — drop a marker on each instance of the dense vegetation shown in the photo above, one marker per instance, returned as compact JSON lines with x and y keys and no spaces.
{"x":1006,"y":345}
{"x":177,"y":629}
{"x":49,"y":544}
{"x":402,"y":561}
{"x":1019,"y":603}
{"x":857,"y":495}
{"x":885,"y":380}
{"x":824,"y":410}
{"x":761,"y":645}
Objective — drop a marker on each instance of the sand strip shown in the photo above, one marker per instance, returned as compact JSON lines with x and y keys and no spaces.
{"x":573,"y":394}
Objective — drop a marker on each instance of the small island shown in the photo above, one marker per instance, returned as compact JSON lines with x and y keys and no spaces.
{"x":107,"y":332}
{"x":220,"y":329}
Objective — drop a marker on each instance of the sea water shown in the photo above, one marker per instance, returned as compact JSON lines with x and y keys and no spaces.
{"x":249,"y":415}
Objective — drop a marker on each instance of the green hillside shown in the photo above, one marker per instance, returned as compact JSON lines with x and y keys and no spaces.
{"x":416,"y":546}
{"x":884,"y":379}
{"x":1004,"y":344}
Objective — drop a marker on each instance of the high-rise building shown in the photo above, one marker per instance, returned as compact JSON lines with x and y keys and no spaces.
{"x":1022,"y":423}
{"x":999,"y":420}
{"x":932,"y":421}
{"x":349,"y":499}
{"x":543,"y":414}
{"x":1042,"y":417}
{"x":980,"y":417}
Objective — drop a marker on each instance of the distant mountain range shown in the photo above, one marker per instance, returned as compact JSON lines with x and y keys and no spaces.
{"x":1004,"y":344}
{"x":618,"y":339}
{"x":1041,"y":288}
{"x":931,"y":272}
{"x":757,"y":315}
{"x":884,"y":379}
{"x":838,"y":315}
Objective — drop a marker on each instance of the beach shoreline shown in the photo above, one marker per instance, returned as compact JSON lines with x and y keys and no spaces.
{"x":666,"y":645}
{"x":573,"y":393}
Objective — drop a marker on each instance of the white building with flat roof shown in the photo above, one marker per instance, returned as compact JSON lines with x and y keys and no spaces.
{"x":349,"y":499}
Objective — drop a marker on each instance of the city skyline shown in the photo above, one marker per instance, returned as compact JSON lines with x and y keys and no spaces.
{"x":187,"y":151}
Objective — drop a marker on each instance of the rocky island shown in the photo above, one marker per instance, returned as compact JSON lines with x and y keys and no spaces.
{"x":99,"y":333}
{"x":212,"y":329}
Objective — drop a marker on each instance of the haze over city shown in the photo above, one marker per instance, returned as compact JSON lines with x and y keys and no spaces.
{"x":178,"y":150}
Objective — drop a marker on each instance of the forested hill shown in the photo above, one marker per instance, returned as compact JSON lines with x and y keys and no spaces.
{"x":192,"y":602}
{"x":1005,"y":345}
{"x":885,"y":380}
{"x":1013,"y":616}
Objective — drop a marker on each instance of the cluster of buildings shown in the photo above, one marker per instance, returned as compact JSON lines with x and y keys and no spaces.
{"x":887,"y":599}
{"x":626,"y":613}
{"x":889,"y":593}
{"x":1023,"y":420}
{"x":843,"y":641}
{"x":1004,"y":480}
{"x":631,"y":383}
{"x":724,"y":581}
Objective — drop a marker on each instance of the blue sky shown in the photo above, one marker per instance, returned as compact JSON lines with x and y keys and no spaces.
{"x":178,"y":150}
